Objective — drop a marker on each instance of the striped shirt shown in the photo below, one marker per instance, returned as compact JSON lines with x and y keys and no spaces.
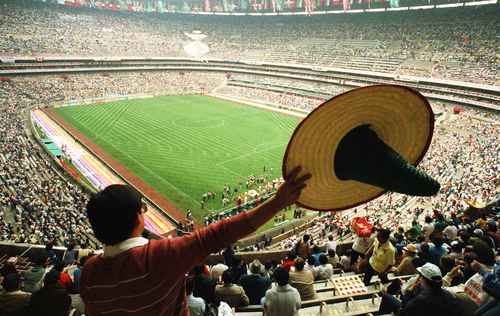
{"x":140,"y":277}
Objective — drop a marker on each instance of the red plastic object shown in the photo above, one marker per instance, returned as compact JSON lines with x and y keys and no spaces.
{"x":361,"y":226}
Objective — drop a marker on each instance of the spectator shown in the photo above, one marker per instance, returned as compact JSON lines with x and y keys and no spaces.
{"x":333,"y":259}
{"x":360,"y":247}
{"x":64,"y":279}
{"x":254,"y":284}
{"x":70,"y":255}
{"x":345,"y":261}
{"x":437,"y":248}
{"x":302,"y":248}
{"x":239,"y":269}
{"x":217,"y":270}
{"x":204,"y":286}
{"x":116,"y":216}
{"x":325,"y":270}
{"x":303,"y":280}
{"x":390,"y":303}
{"x":428,"y":227}
{"x":282,"y":299}
{"x":433,"y":299}
{"x":407,"y":266}
{"x":196,"y":305}
{"x":51,"y":254}
{"x":289,"y":261}
{"x":52,"y":299}
{"x":34,"y":276}
{"x":331,"y":244}
{"x":382,"y":258}
{"x":229,"y":292}
{"x":450,"y":232}
{"x":315,"y":254}
{"x":77,"y":274}
{"x":13,"y":302}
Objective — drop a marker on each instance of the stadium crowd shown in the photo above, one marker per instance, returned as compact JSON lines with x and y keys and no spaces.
{"x":446,"y":266}
{"x":389,"y":42}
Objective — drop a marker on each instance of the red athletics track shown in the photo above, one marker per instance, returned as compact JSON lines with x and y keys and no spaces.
{"x":127,"y":175}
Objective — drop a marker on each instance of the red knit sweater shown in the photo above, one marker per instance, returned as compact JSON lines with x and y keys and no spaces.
{"x":149,"y":280}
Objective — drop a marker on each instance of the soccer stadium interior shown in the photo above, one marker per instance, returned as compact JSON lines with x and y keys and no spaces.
{"x":191,"y":105}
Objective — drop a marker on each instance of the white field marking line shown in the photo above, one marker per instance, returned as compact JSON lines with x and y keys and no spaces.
{"x":253,"y":152}
{"x":156,"y":176}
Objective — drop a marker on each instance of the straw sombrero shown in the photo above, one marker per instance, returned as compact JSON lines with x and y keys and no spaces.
{"x":360,"y":144}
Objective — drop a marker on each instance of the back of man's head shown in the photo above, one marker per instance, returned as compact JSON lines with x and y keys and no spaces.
{"x":323,"y":259}
{"x":384,"y":234}
{"x":51,"y":278}
{"x":113,"y":213}
{"x":198,"y":269}
{"x":306,"y":238}
{"x":11,"y":282}
{"x":281,"y":276}
{"x":299,"y":264}
{"x":256,"y":267}
{"x":330,"y":237}
{"x":227,"y":277}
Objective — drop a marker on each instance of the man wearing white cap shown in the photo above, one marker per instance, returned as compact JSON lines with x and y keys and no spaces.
{"x":432,"y":299}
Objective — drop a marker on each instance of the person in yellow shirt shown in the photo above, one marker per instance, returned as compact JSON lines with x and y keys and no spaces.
{"x":383,"y":257}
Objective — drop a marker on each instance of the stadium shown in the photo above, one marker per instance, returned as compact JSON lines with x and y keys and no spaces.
{"x":191,"y":105}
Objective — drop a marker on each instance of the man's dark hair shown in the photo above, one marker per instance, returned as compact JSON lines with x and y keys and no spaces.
{"x":113,"y":213}
{"x":51,"y":278}
{"x":281,"y":276}
{"x":306,"y":237}
{"x":311,"y":261}
{"x":323,"y":259}
{"x":395,"y":287}
{"x":384,"y":233}
{"x":237,"y":261}
{"x":11,"y":282}
{"x":330,"y":237}
{"x":227,"y":277}
{"x":485,"y":254}
{"x":198,"y":269}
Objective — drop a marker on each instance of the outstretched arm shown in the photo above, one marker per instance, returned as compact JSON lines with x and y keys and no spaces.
{"x":195,"y":247}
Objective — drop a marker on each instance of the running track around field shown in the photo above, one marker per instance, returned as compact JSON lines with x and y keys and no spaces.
{"x":155,"y":221}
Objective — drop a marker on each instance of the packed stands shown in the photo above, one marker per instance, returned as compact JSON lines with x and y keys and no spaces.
{"x":454,"y":43}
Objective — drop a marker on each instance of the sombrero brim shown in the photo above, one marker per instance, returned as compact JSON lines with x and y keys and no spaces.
{"x":400,"y":116}
{"x":476,"y":204}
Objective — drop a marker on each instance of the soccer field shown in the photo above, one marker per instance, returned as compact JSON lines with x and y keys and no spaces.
{"x":184,"y":146}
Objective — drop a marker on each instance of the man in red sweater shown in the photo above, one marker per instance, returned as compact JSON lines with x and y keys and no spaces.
{"x":136,"y":276}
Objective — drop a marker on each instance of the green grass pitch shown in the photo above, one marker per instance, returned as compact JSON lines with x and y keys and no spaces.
{"x":184,"y":146}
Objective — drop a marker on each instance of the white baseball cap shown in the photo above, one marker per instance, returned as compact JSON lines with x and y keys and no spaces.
{"x":430,"y":271}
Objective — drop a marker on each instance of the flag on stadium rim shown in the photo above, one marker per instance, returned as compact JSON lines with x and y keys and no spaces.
{"x":360,"y":144}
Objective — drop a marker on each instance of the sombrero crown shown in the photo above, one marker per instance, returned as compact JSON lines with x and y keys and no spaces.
{"x":362,"y":143}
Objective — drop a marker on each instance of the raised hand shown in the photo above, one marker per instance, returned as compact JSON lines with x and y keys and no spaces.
{"x":289,"y":192}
